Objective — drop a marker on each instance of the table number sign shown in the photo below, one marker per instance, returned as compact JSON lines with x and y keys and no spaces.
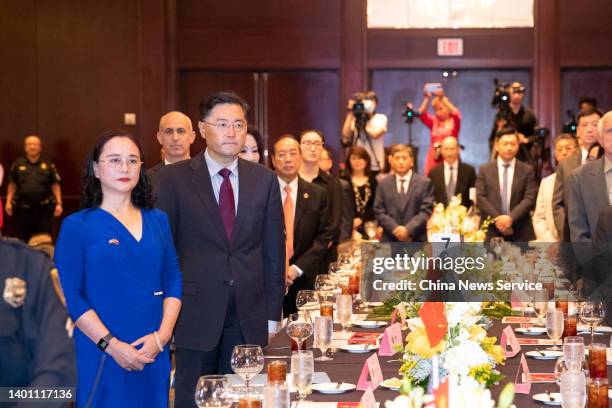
{"x":371,"y":367}
{"x":508,"y":337}
{"x":391,"y":339}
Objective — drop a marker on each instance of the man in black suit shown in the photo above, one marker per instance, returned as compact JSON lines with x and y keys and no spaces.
{"x":175,"y":135}
{"x":404,"y":201}
{"x":225,"y":215}
{"x":506,"y":191}
{"x":452,"y":176}
{"x":586,"y":132}
{"x":306,"y":213}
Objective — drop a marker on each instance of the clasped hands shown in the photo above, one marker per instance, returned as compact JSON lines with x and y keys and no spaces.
{"x":131,"y":358}
{"x":503,"y":223}
{"x":401,"y":233}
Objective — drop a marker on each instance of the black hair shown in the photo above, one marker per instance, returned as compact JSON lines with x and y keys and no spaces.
{"x":252,"y":130}
{"x":219,"y":98}
{"x":91,"y":195}
{"x":362,"y":153}
{"x":318,"y":132}
{"x":588,"y":99}
{"x":285,"y":136}
{"x":566,"y":136}
{"x":587,"y":112}
{"x":506,"y":131}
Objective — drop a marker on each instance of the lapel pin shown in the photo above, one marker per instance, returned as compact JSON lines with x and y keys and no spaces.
{"x":306,"y":195}
{"x":113,"y":241}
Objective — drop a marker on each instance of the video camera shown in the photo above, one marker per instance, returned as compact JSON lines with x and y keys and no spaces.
{"x":363,"y":107}
{"x":501,"y":95}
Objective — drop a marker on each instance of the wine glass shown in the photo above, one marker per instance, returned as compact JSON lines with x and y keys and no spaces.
{"x":302,"y":371}
{"x":496,"y":245}
{"x":325,"y":283}
{"x":344,"y":310}
{"x":554,"y":326}
{"x":323,"y":330}
{"x":247,"y":361}
{"x":540,"y":304}
{"x":592,"y":312}
{"x":370,"y":229}
{"x":211,"y":391}
{"x":299,"y":328}
{"x":307,"y":301}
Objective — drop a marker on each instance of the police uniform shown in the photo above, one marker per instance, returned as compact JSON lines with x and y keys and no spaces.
{"x":35,"y":350}
{"x":33,"y":203}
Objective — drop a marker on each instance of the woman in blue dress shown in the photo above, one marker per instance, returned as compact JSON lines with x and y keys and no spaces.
{"x":121,"y":277}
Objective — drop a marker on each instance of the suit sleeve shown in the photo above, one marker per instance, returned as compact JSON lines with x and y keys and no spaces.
{"x":382,"y":214}
{"x":348,"y":212}
{"x":70,"y":262}
{"x":166,"y":198}
{"x":273,"y":246}
{"x":314,"y":254}
{"x":521,"y":210}
{"x":172,"y":281}
{"x":577,"y":216}
{"x":482,"y":199}
{"x":558,"y":206}
{"x":335,"y":206}
{"x":417,"y":224}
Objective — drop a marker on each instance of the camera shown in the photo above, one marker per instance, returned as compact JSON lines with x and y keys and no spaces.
{"x":363,"y":107}
{"x":501,"y":95}
{"x":409,"y":114}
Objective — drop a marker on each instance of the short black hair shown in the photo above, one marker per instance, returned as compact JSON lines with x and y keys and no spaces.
{"x":219,"y":98}
{"x":318,"y":132}
{"x":91,"y":195}
{"x":566,"y":136}
{"x":285,"y":136}
{"x":400,"y":147}
{"x":252,"y":130}
{"x":587,"y":112}
{"x":588,"y":99}
{"x":506,"y":131}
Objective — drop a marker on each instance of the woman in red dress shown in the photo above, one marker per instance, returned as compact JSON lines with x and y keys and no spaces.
{"x":445,"y":121}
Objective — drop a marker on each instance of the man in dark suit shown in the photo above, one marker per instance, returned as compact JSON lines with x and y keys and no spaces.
{"x":602,"y":247}
{"x":586,"y":132}
{"x":175,"y":135}
{"x":306,"y":213}
{"x":506,"y":191}
{"x":452,"y":176}
{"x":404,"y":201}
{"x":225,"y":215}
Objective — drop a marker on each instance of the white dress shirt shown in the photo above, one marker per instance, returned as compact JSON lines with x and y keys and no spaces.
{"x":398,"y":181}
{"x":216,"y":179}
{"x":543,"y":219}
{"x":294,"y":191}
{"x":584,"y":153}
{"x":500,"y":170}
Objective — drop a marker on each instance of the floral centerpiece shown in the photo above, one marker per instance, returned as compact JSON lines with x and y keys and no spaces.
{"x":458,"y":219}
{"x":465,"y":351}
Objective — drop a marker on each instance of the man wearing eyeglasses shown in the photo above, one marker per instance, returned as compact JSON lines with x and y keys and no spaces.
{"x":226,"y":218}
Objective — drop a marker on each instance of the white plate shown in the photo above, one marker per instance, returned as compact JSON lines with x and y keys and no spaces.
{"x":544,"y":354}
{"x":385,"y":384}
{"x":359,"y":348}
{"x":598,"y":329}
{"x":369,"y":324}
{"x":374,"y":304}
{"x":532,"y":331}
{"x":332,"y":388}
{"x":546,"y":400}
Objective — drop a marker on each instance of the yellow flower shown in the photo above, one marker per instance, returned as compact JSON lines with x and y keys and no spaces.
{"x":497,"y":352}
{"x":418,"y":343}
{"x":477,"y":333}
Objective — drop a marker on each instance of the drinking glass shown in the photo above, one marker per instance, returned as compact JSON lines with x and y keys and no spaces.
{"x":247,"y":361}
{"x":548,"y":283}
{"x":597,"y":392}
{"x":325,"y":283}
{"x":307,"y":301}
{"x":323,"y":331}
{"x":344,"y":310}
{"x":598,"y":367}
{"x":554,"y":326}
{"x":573,"y":389}
{"x":370,"y":229}
{"x":299,"y":328}
{"x":573,"y":352}
{"x":540,"y":304}
{"x":326,"y":304}
{"x":496,"y":244}
{"x":211,"y":391}
{"x":592,"y":312}
{"x":302,"y":371}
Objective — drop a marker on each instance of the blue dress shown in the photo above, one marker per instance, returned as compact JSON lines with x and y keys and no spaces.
{"x":104,"y":268}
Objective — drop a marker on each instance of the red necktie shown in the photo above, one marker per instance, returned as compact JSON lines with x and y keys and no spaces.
{"x":226,"y":203}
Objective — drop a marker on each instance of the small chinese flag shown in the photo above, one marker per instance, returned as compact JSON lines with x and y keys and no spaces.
{"x":434,"y":319}
{"x":441,"y":395}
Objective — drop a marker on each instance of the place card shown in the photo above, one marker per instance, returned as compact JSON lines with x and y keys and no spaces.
{"x":541,"y":377}
{"x":508,"y":337}
{"x":525,"y":386}
{"x":390,"y":340}
{"x":520,"y":320}
{"x":367,"y":399}
{"x":364,"y":338}
{"x":371,"y":367}
{"x":535,"y":342}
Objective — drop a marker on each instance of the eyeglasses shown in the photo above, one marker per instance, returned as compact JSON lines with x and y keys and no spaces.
{"x":224,"y":126}
{"x":309,"y":143}
{"x":116,"y":162}
{"x":284,"y":155}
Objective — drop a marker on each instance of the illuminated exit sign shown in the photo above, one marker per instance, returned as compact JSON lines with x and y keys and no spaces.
{"x":450,"y":47}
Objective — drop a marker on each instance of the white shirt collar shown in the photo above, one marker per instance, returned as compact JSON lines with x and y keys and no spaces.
{"x":455,"y":165}
{"x":293,"y":184}
{"x":214,"y":167}
{"x":500,"y":163}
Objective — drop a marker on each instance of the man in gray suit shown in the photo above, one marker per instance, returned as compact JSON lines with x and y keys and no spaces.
{"x":404,"y":201}
{"x":506,"y":191}
{"x":586,"y":132}
{"x":590,"y":187}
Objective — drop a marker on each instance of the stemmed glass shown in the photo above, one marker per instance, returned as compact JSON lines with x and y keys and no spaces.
{"x":302,"y":371}
{"x":325,"y":283}
{"x":540,"y":304}
{"x":307,"y":301}
{"x":370,"y":229}
{"x":344,"y":310}
{"x":299,"y":328}
{"x":496,"y":245}
{"x":247,"y":361}
{"x":323,"y":331}
{"x":554,"y":326}
{"x":211,"y":391}
{"x":592,"y":312}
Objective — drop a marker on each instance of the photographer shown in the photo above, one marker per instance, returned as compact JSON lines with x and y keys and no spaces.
{"x":366,"y":128}
{"x":513,"y":114}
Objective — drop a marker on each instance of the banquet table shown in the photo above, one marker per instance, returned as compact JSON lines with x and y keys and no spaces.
{"x":346,"y":367}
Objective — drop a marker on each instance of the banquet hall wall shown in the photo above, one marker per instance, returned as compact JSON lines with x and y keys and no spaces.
{"x":71,"y":69}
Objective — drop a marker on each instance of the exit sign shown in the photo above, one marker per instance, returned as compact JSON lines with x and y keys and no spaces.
{"x":450,"y":47}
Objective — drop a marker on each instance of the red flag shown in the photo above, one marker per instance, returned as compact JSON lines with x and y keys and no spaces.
{"x":434,"y":319}
{"x":441,"y":394}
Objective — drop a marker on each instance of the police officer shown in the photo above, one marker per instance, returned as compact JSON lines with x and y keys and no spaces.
{"x":34,"y":346}
{"x":33,"y":192}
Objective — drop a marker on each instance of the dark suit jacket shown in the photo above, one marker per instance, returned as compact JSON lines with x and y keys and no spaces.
{"x":152,"y":174}
{"x":561,"y":193}
{"x":523,"y":195}
{"x":312,"y":233}
{"x":252,"y":262}
{"x":334,"y":199}
{"x":349,"y":208}
{"x":587,"y":196}
{"x":413,"y":215}
{"x":466,"y":179}
{"x":602,"y":246}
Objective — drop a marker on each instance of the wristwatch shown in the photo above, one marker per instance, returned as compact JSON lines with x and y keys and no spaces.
{"x":104,"y":341}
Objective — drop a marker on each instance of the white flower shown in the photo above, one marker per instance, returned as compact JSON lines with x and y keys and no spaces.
{"x":466,"y":392}
{"x":461,"y":358}
{"x":466,"y":313}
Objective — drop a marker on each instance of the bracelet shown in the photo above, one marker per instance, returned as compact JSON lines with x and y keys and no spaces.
{"x":159,"y":345}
